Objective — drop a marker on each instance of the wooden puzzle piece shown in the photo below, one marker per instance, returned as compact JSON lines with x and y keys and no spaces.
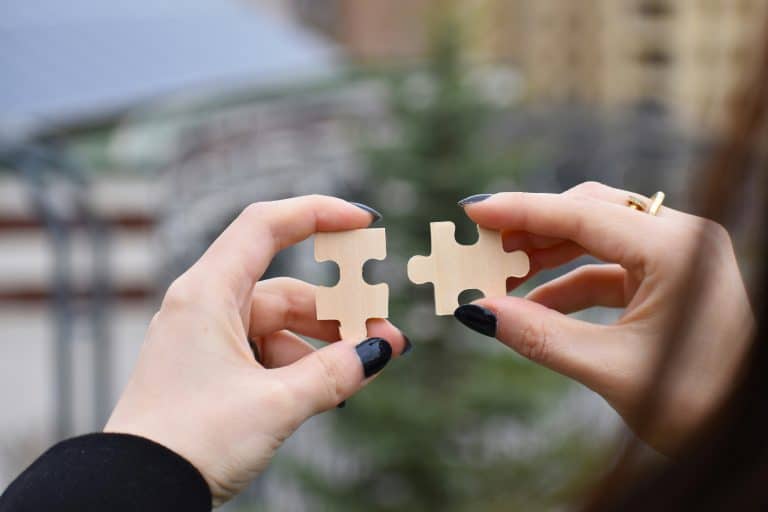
{"x":352,"y":301}
{"x":453,"y":267}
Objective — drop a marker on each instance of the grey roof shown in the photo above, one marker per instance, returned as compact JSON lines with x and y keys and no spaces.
{"x":65,"y":61}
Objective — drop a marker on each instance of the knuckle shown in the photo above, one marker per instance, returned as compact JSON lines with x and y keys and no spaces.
{"x":586,"y":188}
{"x":316,"y":197}
{"x":287,"y":283}
{"x":282,"y":400}
{"x":579,"y":229}
{"x":584,"y":272}
{"x":259,"y":216}
{"x":279,"y":395}
{"x":533,"y":343}
{"x":155,"y":321}
{"x":179,"y":295}
{"x":715,"y":232}
{"x":255,"y":211}
{"x":705,"y":235}
{"x":155,"y":325}
{"x":273,"y":285}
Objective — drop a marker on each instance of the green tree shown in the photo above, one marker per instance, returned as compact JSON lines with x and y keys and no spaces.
{"x":424,"y":431}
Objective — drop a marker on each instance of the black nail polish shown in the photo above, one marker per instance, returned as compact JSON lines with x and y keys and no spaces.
{"x":477,"y":318}
{"x":408,"y":345}
{"x":374,"y":353}
{"x":342,"y":405}
{"x":376,"y":215}
{"x":474,"y":199}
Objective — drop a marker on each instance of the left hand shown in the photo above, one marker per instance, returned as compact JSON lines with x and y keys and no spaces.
{"x":197,"y":388}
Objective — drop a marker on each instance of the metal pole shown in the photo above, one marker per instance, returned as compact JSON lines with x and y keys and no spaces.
{"x":98,"y":302}
{"x":100,"y":322}
{"x":32,"y":166}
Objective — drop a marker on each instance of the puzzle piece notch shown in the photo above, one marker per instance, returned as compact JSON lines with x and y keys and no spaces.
{"x":352,"y":300}
{"x":453,"y":267}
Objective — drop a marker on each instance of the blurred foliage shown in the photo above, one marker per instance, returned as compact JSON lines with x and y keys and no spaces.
{"x":425,"y":430}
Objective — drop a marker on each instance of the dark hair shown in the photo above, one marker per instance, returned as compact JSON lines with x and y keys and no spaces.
{"x":725,"y":465}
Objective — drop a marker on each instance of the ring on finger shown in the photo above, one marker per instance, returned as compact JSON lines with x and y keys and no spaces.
{"x":636,"y":203}
{"x":639,"y":204}
{"x":656,"y":201}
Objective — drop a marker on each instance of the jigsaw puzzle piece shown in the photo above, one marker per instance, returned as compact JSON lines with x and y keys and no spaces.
{"x":454,"y":268}
{"x":442,"y":267}
{"x":350,"y":310}
{"x":498,"y":265}
{"x":352,"y":300}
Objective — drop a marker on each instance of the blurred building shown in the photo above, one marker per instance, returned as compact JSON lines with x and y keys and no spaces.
{"x":688,"y":55}
{"x":85,"y":242}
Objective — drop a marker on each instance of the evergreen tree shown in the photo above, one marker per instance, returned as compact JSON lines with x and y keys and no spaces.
{"x":424,"y":432}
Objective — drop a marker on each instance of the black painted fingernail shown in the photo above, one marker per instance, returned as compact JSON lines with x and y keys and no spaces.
{"x":408,"y":345}
{"x":376,"y":215}
{"x":374,"y":353}
{"x":477,"y":318}
{"x":342,"y":405}
{"x":474,"y":199}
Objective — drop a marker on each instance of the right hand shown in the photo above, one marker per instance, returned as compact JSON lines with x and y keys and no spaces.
{"x":648,"y":258}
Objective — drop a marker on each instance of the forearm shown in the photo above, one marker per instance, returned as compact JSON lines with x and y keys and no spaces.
{"x":114,"y":472}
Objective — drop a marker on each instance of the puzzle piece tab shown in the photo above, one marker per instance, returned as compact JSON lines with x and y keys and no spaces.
{"x":352,"y":301}
{"x":453,"y":267}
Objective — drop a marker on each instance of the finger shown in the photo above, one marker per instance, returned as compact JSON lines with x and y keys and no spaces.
{"x":564,"y":344}
{"x":514,"y":240}
{"x":286,"y":303}
{"x":556,"y":256}
{"x":585,"y":287}
{"x":282,"y":348}
{"x":610,"y":232}
{"x":530,"y":243}
{"x":595,"y":190}
{"x":239,"y":256}
{"x":520,"y":240}
{"x":328,"y":376}
{"x":544,"y":259}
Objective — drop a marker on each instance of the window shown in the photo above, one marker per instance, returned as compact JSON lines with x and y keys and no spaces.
{"x":654,"y":8}
{"x":655,"y":57}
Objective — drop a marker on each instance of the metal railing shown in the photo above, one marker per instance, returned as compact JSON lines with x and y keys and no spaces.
{"x":57,"y":191}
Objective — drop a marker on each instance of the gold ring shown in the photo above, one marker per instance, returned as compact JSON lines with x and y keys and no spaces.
{"x":636,"y":203}
{"x":639,"y":204}
{"x":656,"y":200}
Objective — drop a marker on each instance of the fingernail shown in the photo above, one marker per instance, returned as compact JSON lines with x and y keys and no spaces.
{"x":342,"y":405}
{"x":474,"y":199}
{"x":477,"y":318}
{"x":408,"y":345}
{"x":376,"y":215}
{"x":374,"y":353}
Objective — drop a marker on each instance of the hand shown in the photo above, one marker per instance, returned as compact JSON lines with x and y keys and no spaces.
{"x":197,"y":388}
{"x":648,"y":258}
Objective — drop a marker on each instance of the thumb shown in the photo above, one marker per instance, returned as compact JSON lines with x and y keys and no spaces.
{"x":326,"y":377}
{"x":563,"y":344}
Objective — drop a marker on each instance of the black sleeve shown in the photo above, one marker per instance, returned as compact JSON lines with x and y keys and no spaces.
{"x":108,"y":472}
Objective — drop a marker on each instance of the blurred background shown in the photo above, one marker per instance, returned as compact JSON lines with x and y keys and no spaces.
{"x":131,"y":133}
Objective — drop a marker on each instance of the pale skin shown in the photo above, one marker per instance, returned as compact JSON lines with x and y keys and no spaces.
{"x":198,"y":389}
{"x":646,"y":259}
